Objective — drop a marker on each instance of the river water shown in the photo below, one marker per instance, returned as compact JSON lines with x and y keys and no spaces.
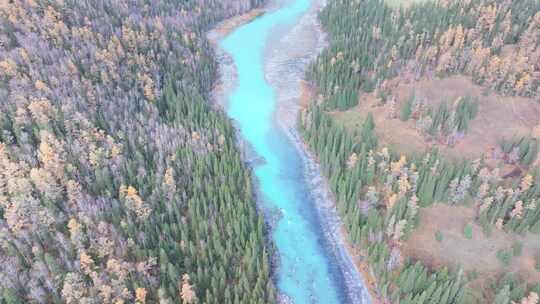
{"x":313,"y":266}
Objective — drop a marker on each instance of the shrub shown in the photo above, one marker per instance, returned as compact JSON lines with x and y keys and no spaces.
{"x":467,"y":231}
{"x":517,"y":248}
{"x":473,"y":275}
{"x":505,"y":256}
{"x":536,"y":228}
{"x":523,"y":150}
{"x":486,"y":225}
{"x":11,"y":297}
{"x":439,"y":236}
{"x":536,"y":288}
{"x":406,"y":111}
{"x":466,"y":110}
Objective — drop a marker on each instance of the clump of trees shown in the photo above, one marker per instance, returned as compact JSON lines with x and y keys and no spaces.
{"x":509,"y":289}
{"x":444,"y":123}
{"x":378,"y":192}
{"x":119,"y":183}
{"x":522,"y":151}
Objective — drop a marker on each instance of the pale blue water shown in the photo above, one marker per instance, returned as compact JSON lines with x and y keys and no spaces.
{"x":305,"y":272}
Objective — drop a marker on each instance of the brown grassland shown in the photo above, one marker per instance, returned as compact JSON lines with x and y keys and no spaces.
{"x":476,"y":255}
{"x":498,"y":117}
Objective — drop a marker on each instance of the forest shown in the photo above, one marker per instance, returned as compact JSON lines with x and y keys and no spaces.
{"x":119,"y":181}
{"x":379,"y":192}
{"x":370,"y":42}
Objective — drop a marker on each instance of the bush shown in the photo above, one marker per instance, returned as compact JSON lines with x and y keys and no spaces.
{"x":466,"y":110}
{"x":406,"y":111}
{"x":536,"y":228}
{"x":523,"y":150}
{"x":467,"y":231}
{"x":486,"y":225}
{"x":537,"y":264}
{"x":505,"y":256}
{"x":439,"y":236}
{"x":473,"y":275}
{"x":517,"y":248}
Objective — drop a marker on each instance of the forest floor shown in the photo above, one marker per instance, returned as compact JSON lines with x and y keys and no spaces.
{"x":499,"y":117}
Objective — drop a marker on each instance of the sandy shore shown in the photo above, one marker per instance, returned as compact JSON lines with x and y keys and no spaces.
{"x":285,"y":64}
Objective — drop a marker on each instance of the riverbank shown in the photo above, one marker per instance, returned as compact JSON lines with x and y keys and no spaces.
{"x":307,"y":96}
{"x":227,"y":73}
{"x":297,"y":94}
{"x":362,"y":266}
{"x":286,"y":72}
{"x":229,"y":25}
{"x":285,"y":65}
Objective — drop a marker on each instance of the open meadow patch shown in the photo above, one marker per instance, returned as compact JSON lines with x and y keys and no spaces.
{"x":497,"y":118}
{"x":441,"y":240}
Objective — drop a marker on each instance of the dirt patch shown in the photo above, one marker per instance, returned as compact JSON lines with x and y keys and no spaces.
{"x":306,"y":94}
{"x":476,"y":254}
{"x":498,"y":117}
{"x":229,"y":25}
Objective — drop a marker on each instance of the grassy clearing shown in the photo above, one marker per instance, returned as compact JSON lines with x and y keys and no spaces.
{"x":440,"y":241}
{"x":498,"y":117}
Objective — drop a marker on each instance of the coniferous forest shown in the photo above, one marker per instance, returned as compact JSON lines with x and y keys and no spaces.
{"x":119,"y":182}
{"x":379,"y":192}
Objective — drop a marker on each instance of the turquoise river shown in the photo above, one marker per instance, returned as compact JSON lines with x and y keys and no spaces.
{"x":306,"y":272}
